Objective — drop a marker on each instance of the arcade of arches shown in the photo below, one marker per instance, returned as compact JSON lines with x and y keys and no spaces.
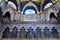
{"x":29,"y":16}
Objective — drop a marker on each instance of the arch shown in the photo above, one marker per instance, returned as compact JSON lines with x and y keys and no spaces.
{"x":7,"y":14}
{"x":6,"y":33}
{"x":29,"y":10}
{"x":49,"y":12}
{"x":21,"y":32}
{"x":15,"y":28}
{"x":49,"y":15}
{"x":13,"y":4}
{"x":55,"y":33}
{"x":46,"y":32}
{"x":30,"y":4}
{"x":14,"y":32}
{"x":52,"y":15}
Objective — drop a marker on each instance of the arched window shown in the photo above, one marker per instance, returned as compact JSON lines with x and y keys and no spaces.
{"x":13,"y":3}
{"x":47,"y":4}
{"x":29,"y":10}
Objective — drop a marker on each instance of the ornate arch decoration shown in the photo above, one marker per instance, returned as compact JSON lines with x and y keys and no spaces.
{"x":49,"y":12}
{"x":49,"y":3}
{"x":7,"y":29}
{"x":30,"y":4}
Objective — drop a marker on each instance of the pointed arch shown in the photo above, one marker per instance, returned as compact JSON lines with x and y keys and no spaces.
{"x":6,"y":33}
{"x":49,"y":12}
{"x":14,"y":32}
{"x":6,"y":28}
{"x":52,"y":15}
{"x":30,"y":4}
{"x":7,"y":14}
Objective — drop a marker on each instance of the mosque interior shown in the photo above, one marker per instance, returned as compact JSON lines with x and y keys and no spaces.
{"x":30,"y":19}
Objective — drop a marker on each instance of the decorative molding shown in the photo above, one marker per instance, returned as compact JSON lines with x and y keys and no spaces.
{"x":30,"y":4}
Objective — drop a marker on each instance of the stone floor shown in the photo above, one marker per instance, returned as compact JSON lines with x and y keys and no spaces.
{"x":31,"y":39}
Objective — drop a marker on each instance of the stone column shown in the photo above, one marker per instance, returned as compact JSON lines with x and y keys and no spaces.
{"x":21,"y":16}
{"x":39,"y":16}
{"x":12,"y":14}
{"x":43,"y":17}
{"x":19,"y":13}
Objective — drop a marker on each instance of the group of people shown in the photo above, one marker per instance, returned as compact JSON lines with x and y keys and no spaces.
{"x":30,"y":33}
